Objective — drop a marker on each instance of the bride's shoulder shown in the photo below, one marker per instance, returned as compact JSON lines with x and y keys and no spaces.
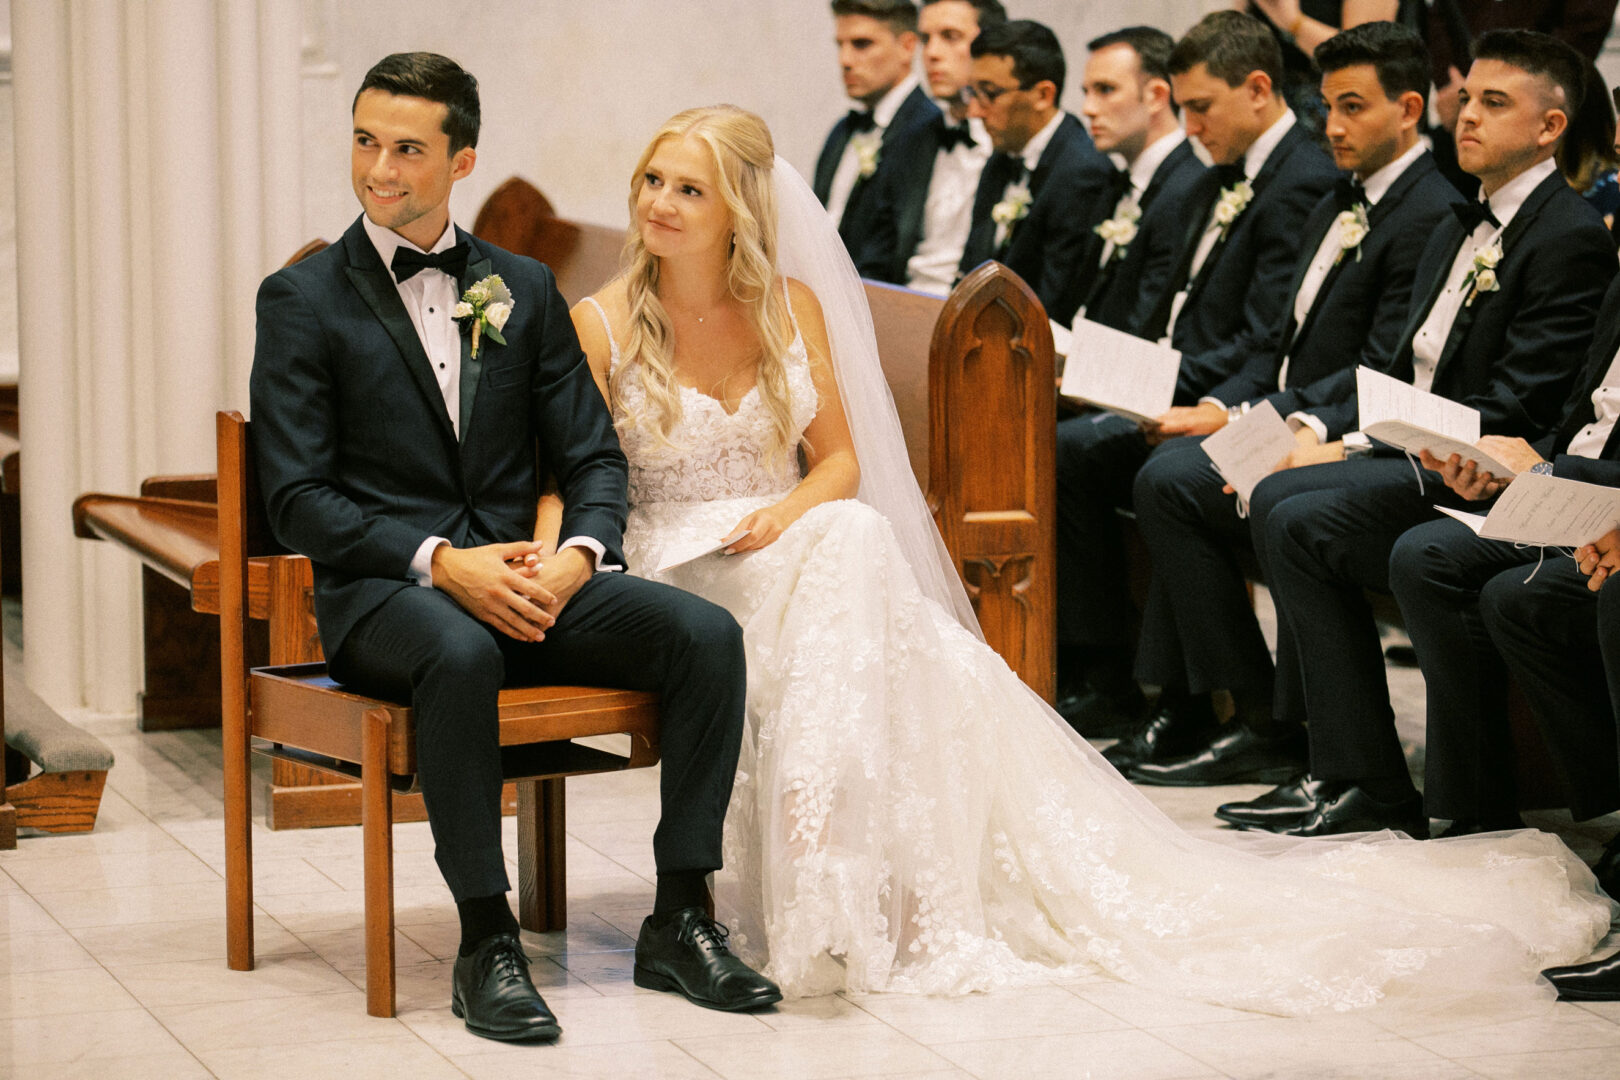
{"x":610,"y":301}
{"x":802,"y":297}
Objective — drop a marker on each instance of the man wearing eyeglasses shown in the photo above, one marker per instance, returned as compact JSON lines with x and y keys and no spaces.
{"x":1046,"y":185}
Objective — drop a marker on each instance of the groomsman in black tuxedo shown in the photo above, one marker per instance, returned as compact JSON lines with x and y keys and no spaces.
{"x":1133,"y":114}
{"x":877,"y":41}
{"x":1502,"y":316}
{"x":407,"y":464}
{"x":1046,"y":185}
{"x":925,"y":194}
{"x":1220,"y":304}
{"x":1348,"y":305}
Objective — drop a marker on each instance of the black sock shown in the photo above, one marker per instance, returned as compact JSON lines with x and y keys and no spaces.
{"x":1252,"y":709}
{"x":483,"y":917}
{"x":681,"y":889}
{"x":1107,"y":668}
{"x":1388,"y":789}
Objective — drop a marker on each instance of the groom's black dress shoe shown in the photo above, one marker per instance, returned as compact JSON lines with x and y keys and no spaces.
{"x":1237,"y":755}
{"x":1176,"y":728}
{"x":1278,"y":808}
{"x":1346,"y":808}
{"x":686,"y":952}
{"x":490,"y":989}
{"x":1101,"y":714}
{"x":1595,"y":981}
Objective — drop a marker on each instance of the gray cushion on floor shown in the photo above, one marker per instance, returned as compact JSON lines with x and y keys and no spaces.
{"x":34,"y":729}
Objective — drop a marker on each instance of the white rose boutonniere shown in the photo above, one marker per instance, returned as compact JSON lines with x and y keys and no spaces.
{"x":1482,"y":278}
{"x":1353,"y":228}
{"x":1233,"y":201}
{"x":1013,"y":208}
{"x":484,"y":308}
{"x":868,"y":146}
{"x":1120,"y":229}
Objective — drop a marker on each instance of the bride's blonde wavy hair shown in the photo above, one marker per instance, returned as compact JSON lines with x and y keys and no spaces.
{"x":744,"y":155}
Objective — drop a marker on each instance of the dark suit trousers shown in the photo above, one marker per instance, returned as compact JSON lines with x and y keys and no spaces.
{"x":1097,"y":458}
{"x":1329,"y":530}
{"x":1436,"y":571}
{"x":1561,"y":642}
{"x":1199,"y":632}
{"x":421,"y":647}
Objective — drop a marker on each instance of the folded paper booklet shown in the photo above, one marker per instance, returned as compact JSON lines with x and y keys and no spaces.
{"x":1551,"y":511}
{"x":1247,"y":450}
{"x":1400,"y":414}
{"x":1120,"y":372}
{"x":680,"y":554}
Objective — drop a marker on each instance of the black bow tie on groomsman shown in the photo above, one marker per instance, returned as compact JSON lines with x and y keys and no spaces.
{"x":1227,"y":175}
{"x":860,"y":120}
{"x":1348,"y":193}
{"x":408,"y":261}
{"x":1473,"y":214}
{"x":953,"y":135}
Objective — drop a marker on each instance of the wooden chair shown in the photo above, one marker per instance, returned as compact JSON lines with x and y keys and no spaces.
{"x":305,"y":717}
{"x":517,"y":217}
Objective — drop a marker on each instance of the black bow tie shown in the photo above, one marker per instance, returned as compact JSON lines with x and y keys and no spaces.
{"x":1119,"y":184}
{"x":953,"y":135}
{"x":407,"y":262}
{"x":861,"y":120}
{"x":1347,"y":192}
{"x":1227,"y":175}
{"x":1472,"y":214}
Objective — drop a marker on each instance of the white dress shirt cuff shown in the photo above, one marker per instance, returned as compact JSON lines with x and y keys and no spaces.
{"x":1215,"y":401}
{"x":594,"y":546}
{"x":422,"y":564}
{"x":1297,"y":420}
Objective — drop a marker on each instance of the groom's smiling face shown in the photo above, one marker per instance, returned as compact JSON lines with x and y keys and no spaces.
{"x":401,"y":164}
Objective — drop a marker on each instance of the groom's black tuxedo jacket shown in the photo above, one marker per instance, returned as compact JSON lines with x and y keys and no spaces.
{"x":1067,"y":191}
{"x":861,"y":212}
{"x":1234,"y":303}
{"x":1513,"y":353}
{"x":1123,"y":293}
{"x":1359,"y":312}
{"x":357,"y":457}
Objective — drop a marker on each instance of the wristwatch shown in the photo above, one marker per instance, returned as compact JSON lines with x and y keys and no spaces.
{"x":1542,"y":468}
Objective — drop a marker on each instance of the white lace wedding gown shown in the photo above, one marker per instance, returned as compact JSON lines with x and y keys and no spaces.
{"x":909,"y":817}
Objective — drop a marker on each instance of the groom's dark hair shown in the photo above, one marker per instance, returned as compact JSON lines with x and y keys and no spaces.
{"x":437,"y":78}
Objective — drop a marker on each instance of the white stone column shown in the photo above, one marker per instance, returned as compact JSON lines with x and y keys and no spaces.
{"x":157,"y":150}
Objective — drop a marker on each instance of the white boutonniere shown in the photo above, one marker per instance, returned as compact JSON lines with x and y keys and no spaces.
{"x":1482,"y":278}
{"x":1233,"y":201}
{"x":485,"y":307}
{"x":1120,"y":229}
{"x":868,"y":147}
{"x":1013,"y":208}
{"x":1353,"y":228}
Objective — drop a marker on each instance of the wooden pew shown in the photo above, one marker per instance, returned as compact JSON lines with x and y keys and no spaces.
{"x":517,"y":217}
{"x":8,"y":813}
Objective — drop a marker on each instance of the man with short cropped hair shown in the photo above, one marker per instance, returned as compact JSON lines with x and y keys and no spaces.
{"x":925,"y":194}
{"x":877,"y":43}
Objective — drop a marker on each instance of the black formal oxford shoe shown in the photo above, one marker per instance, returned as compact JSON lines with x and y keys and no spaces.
{"x":491,"y":991}
{"x":1598,"y":980}
{"x":1237,"y":755}
{"x":1346,"y":808}
{"x":1098,"y":714}
{"x":686,"y":952}
{"x":1607,"y":868}
{"x":1472,"y":826}
{"x":1283,"y":805}
{"x":1176,"y":728}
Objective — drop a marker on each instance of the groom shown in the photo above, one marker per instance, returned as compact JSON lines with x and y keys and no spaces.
{"x":407,"y":465}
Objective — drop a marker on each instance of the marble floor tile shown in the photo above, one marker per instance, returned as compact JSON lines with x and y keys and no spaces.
{"x":425,"y":987}
{"x":623,"y":1061}
{"x":22,"y":914}
{"x":809,"y":1055}
{"x":134,"y":904}
{"x":1560,"y":1029}
{"x":173,"y":942}
{"x":818,"y":1013}
{"x":1146,"y":1009}
{"x":599,"y":1022}
{"x":196,"y":982}
{"x":1583,"y":1064}
{"x":345,"y":949}
{"x":281,"y":877}
{"x":345,"y":909}
{"x":8,"y":884}
{"x":352,"y":1059}
{"x":77,"y":990}
{"x":175,"y":1065}
{"x":274,"y":1021}
{"x":46,"y":950}
{"x":1410,"y":1070}
{"x":1136,"y":1055}
{"x":1006,"y":1014}
{"x":607,"y":973}
{"x":66,"y":1037}
{"x":1279,"y":1044}
{"x":104,"y":871}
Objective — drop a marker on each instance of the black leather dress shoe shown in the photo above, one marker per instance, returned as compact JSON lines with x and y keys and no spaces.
{"x":1470,"y":826}
{"x":1280,"y":807}
{"x":491,"y":991}
{"x":1607,"y":868}
{"x":1598,"y":980}
{"x":1237,"y":755}
{"x":1348,"y":809}
{"x":1176,"y":728}
{"x":1097,"y":714}
{"x":686,"y":952}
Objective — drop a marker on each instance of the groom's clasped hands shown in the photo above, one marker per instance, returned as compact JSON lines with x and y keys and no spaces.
{"x":509,"y":586}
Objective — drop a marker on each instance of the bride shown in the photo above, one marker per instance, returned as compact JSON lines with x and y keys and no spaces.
{"x":907,"y":815}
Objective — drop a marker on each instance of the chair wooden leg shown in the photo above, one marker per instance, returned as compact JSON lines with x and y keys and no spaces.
{"x":238,"y":835}
{"x":377,"y":829}
{"x":542,"y":865}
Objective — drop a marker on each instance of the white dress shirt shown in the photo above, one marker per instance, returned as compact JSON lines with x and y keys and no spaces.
{"x":1254,"y":159}
{"x":428,"y":296}
{"x":1141,"y":173}
{"x":948,"y":213}
{"x":1591,"y":439}
{"x":849,"y":165}
{"x":1430,"y":340}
